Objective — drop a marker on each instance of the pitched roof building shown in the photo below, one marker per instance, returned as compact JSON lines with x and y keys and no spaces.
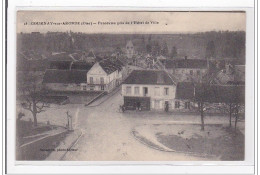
{"x":188,"y":70}
{"x":148,"y":89}
{"x":105,"y":75}
{"x":149,"y":77}
{"x":81,"y":65}
{"x":65,"y":76}
{"x":220,"y":93}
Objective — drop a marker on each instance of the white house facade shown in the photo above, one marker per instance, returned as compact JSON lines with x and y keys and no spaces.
{"x":104,"y":76}
{"x":149,"y":90}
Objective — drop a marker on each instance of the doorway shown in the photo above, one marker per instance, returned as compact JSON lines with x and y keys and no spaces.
{"x":166,"y":106}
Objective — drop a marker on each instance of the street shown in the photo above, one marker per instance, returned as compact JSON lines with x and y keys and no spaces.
{"x":107,"y":134}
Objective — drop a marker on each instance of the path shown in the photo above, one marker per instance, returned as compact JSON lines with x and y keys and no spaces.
{"x":108,"y":136}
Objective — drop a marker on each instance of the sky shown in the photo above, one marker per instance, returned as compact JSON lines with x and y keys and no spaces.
{"x":129,"y":22}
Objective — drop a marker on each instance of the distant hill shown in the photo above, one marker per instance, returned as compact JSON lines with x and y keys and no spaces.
{"x":227,"y":44}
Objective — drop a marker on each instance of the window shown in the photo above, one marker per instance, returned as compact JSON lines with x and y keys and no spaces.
{"x":91,"y":80}
{"x":84,"y":87}
{"x":156,"y":91}
{"x":137,"y":90}
{"x":177,"y":104}
{"x":102,"y":80}
{"x":102,"y":87}
{"x":145,"y":91}
{"x":128,"y":90}
{"x":198,"y":72}
{"x":166,"y":91}
{"x":187,"y":105}
{"x":191,"y":72}
{"x":92,"y":88}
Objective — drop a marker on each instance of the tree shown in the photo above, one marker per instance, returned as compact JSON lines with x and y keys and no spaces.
{"x":210,"y":50}
{"x":230,"y":98}
{"x":201,"y":93}
{"x":173,"y":52}
{"x":33,"y":98}
{"x":235,"y":99}
{"x":165,"y":51}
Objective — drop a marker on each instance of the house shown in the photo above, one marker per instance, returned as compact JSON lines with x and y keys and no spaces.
{"x":239,"y":76}
{"x":187,"y":69}
{"x":220,"y":93}
{"x":188,"y":95}
{"x":90,"y":58}
{"x":65,"y":80}
{"x":105,"y":75}
{"x":148,"y":90}
{"x":232,"y":74}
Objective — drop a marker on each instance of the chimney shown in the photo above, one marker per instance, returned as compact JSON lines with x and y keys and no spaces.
{"x":185,"y":57}
{"x":160,"y":78}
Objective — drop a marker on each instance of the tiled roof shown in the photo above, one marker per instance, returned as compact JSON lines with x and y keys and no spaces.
{"x":169,"y":64}
{"x":240,"y":73}
{"x":81,"y":65}
{"x":220,"y":93}
{"x":60,"y":64}
{"x":109,"y":67}
{"x":149,"y":77}
{"x":210,"y":93}
{"x":65,"y":76}
{"x":186,"y":63}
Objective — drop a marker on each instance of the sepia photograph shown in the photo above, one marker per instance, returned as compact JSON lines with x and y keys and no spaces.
{"x":130,"y":85}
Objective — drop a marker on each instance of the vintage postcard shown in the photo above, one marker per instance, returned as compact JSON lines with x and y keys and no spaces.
{"x":130,"y":85}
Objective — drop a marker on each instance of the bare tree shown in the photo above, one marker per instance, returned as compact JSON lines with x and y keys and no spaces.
{"x":201,"y":92}
{"x":234,"y":100}
{"x":33,"y":98}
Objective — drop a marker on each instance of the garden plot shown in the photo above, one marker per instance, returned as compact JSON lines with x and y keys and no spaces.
{"x":216,"y":141}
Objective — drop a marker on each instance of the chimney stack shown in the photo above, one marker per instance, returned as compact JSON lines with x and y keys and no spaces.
{"x":185,"y":57}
